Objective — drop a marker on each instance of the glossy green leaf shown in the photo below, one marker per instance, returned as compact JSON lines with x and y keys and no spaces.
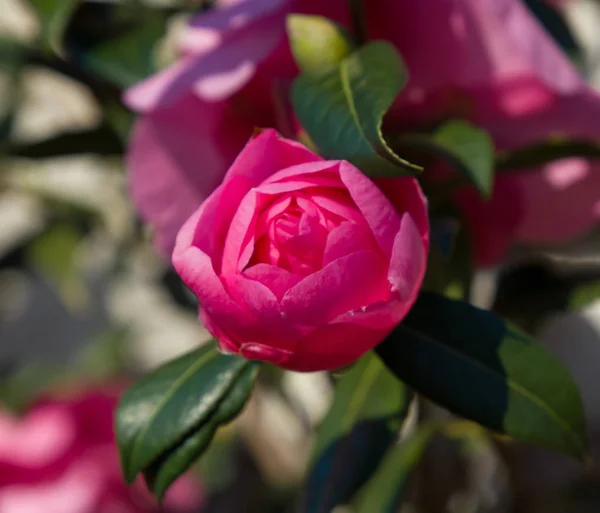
{"x":384,"y":491}
{"x":476,"y":365}
{"x":368,"y":409}
{"x":464,"y":146}
{"x":317,"y":42}
{"x":54,"y":16}
{"x":176,"y":399}
{"x":170,"y":465}
{"x":342,"y":108}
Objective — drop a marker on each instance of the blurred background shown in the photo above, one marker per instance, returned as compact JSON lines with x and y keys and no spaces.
{"x":85,"y":301}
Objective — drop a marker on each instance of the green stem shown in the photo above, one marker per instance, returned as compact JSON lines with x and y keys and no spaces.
{"x":359,"y":20}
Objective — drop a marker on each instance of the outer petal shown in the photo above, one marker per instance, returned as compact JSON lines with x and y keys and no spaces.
{"x":219,"y":73}
{"x":379,"y":212}
{"x":560,"y":203}
{"x":347,"y":283}
{"x":408,"y":262}
{"x":196,"y":270}
{"x":333,"y":346}
{"x":470,"y":43}
{"x":176,"y":158}
{"x":406,"y":195}
{"x":253,"y":164}
{"x":492,"y":224}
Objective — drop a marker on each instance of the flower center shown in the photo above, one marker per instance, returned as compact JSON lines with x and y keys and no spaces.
{"x":292,"y":232}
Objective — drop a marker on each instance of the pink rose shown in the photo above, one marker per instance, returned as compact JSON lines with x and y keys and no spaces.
{"x":233,"y":75}
{"x":307,"y":263}
{"x":61,"y":458}
{"x":490,"y":61}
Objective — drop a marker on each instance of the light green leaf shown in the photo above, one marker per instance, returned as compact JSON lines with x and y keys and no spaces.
{"x":317,"y":42}
{"x":464,"y":146}
{"x":342,"y":108}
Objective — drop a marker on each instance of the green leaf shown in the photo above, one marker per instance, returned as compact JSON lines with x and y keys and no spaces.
{"x":117,"y":42}
{"x":585,"y":294}
{"x":385,"y":489}
{"x":476,"y":365}
{"x":54,"y":16}
{"x":368,"y":409}
{"x":171,"y":402}
{"x":464,"y":146}
{"x":540,"y":153}
{"x":317,"y":42}
{"x":342,"y":109}
{"x":170,"y":465}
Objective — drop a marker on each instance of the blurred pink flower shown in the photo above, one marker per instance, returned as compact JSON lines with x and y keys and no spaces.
{"x":233,"y":75}
{"x":491,"y":62}
{"x":61,"y":458}
{"x":308,"y":263}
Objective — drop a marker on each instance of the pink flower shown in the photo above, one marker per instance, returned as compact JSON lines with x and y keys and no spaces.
{"x":197,"y":114}
{"x":61,"y":458}
{"x":307,"y":263}
{"x":491,"y":62}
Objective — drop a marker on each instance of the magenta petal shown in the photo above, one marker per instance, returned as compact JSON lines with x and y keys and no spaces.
{"x":333,"y":346}
{"x":406,"y":195}
{"x":408,"y":261}
{"x":278,"y":280}
{"x":195,"y":269}
{"x":270,"y":324}
{"x":345,"y":284}
{"x":379,"y":212}
{"x":347,"y":238}
{"x":167,"y":178}
{"x":213,"y":75}
{"x":283,"y":153}
{"x":226,"y":19}
{"x":560,"y":202}
{"x":384,"y":315}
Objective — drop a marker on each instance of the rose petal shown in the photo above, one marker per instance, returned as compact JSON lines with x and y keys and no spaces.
{"x":408,"y":261}
{"x":208,"y":30}
{"x":167,"y":181}
{"x":560,"y":203}
{"x":283,"y":153}
{"x":213,"y":75}
{"x":406,"y":195}
{"x":345,"y":284}
{"x":278,"y":280}
{"x":380,"y":214}
{"x":333,"y":346}
{"x":348,"y":238}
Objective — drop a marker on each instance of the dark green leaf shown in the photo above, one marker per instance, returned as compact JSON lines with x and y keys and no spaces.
{"x":476,"y":365}
{"x":170,"y":465}
{"x":317,"y":42}
{"x":384,"y":491}
{"x":157,"y":412}
{"x":54,"y":16}
{"x":369,"y":407}
{"x":543,"y":152}
{"x":116,"y":42}
{"x":100,"y":140}
{"x":342,"y":108}
{"x":464,"y":146}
